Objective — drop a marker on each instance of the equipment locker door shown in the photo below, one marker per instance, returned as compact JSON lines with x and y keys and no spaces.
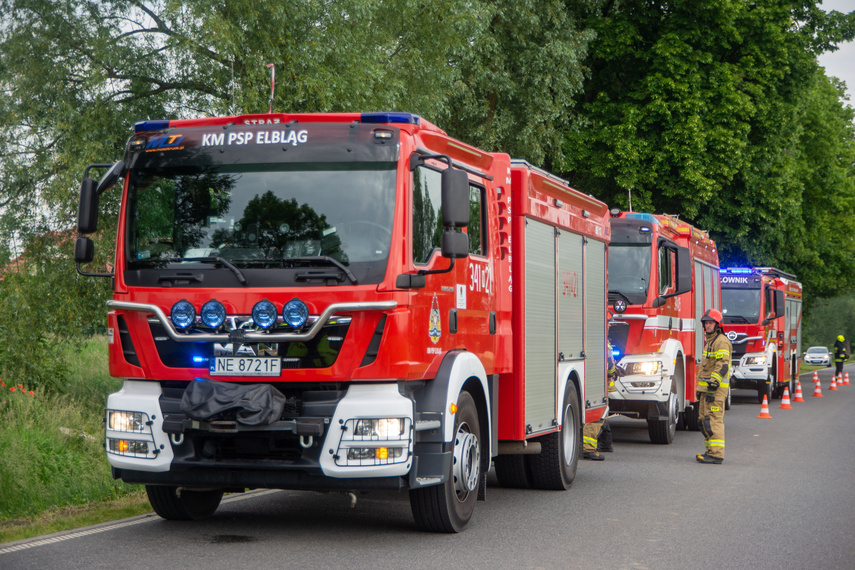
{"x":540,"y":323}
{"x":595,"y":319}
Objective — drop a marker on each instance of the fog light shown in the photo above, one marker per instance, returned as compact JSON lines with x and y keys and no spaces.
{"x":128,"y":446}
{"x":183,"y":314}
{"x":295,"y":313}
{"x":264,"y":314}
{"x":213,"y":314}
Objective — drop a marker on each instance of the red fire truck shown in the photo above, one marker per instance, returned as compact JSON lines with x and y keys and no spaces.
{"x":343,"y":302}
{"x":663,"y":276}
{"x":762,"y":309}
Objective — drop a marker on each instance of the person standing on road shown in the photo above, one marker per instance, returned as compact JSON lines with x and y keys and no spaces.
{"x":840,"y":355}
{"x":597,"y":436}
{"x":713,"y":385}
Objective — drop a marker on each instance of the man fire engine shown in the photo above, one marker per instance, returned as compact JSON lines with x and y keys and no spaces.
{"x":346,"y":302}
{"x":762,"y":308}
{"x":663,"y":275}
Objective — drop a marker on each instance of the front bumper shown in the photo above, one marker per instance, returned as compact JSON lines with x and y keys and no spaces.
{"x":319,"y":449}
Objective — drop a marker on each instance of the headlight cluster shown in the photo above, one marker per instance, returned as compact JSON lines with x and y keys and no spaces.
{"x":295,"y":313}
{"x":755,"y":360}
{"x":135,"y":424}
{"x":644,"y":368}
{"x":374,"y":441}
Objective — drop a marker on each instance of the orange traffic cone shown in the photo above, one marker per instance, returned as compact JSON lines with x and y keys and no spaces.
{"x":817,"y":392}
{"x":833,"y":384}
{"x":764,"y":409}
{"x":798,"y":397}
{"x":785,"y":400}
{"x":846,"y":378}
{"x":815,"y":377}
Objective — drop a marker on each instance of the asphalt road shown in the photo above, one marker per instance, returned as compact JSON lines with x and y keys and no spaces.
{"x":783,"y":498}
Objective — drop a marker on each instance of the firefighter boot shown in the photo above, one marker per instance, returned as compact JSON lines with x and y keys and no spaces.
{"x":592,"y":455}
{"x":707,"y":458}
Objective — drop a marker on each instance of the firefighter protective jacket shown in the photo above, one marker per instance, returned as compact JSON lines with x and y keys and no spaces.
{"x":716,"y":360}
{"x":840,"y":351}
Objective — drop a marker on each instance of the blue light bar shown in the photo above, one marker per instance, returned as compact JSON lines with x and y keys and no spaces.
{"x":199,"y":359}
{"x":390,"y":117}
{"x":143,"y":126}
{"x":646,"y":217}
{"x":738,"y":270}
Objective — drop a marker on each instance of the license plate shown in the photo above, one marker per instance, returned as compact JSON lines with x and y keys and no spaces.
{"x":237,"y":366}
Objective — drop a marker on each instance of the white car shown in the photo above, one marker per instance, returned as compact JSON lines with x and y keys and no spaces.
{"x":818,"y":355}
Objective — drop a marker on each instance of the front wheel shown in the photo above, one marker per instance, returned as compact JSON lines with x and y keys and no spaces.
{"x":555,"y":467}
{"x":662,"y":431}
{"x":727,"y":399}
{"x":169,"y":503}
{"x":448,"y":507}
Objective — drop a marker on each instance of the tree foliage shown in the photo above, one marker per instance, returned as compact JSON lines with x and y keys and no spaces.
{"x":708,"y":110}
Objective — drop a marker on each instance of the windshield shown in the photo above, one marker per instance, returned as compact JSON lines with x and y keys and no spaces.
{"x":740,"y":305}
{"x":817,"y":350}
{"x":258,"y":218}
{"x":629,"y":271}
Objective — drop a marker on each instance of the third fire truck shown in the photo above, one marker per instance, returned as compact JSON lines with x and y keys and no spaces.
{"x":663,"y":275}
{"x":762,"y":308}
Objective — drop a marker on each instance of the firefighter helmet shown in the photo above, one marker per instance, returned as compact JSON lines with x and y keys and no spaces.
{"x":840,"y":338}
{"x":712,"y":315}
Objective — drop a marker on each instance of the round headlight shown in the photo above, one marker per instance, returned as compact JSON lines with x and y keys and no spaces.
{"x":183,"y":314}
{"x":213,"y":314}
{"x":295,"y":312}
{"x":264,"y":314}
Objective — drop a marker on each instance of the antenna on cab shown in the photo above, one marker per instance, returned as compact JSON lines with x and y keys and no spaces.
{"x":272,"y":68}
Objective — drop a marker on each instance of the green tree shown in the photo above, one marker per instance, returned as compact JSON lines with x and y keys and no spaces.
{"x":699,"y":109}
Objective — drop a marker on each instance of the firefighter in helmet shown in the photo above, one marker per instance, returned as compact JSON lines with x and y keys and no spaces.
{"x":840,"y":355}
{"x":597,"y":436}
{"x":713,"y":385}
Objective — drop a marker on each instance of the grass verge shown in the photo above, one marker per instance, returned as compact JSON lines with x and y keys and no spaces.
{"x":69,"y":518}
{"x":52,"y":460}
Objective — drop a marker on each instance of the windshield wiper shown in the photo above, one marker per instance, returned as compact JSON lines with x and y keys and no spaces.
{"x":736,"y":319}
{"x":222,"y":262}
{"x":325,"y":259}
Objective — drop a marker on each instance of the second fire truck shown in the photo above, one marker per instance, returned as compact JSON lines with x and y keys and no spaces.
{"x":663,"y":275}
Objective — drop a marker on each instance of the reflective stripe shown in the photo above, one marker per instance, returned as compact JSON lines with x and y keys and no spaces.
{"x":590,"y":440}
{"x":715,"y":442}
{"x":714,"y":408}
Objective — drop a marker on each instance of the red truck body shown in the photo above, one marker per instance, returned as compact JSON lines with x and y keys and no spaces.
{"x":762,"y":309}
{"x":325,"y":262}
{"x":663,"y":276}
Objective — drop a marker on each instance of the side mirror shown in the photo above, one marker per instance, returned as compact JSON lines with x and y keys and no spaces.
{"x":87,"y":213}
{"x":684,"y":270}
{"x":111,"y":176}
{"x":455,"y":199}
{"x":455,"y":245}
{"x":778,"y":303}
{"x":84,"y":250}
{"x":659,"y":301}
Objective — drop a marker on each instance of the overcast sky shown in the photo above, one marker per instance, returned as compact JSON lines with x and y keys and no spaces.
{"x":841,"y":63}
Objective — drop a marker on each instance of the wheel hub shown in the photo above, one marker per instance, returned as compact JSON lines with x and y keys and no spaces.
{"x":467,"y":463}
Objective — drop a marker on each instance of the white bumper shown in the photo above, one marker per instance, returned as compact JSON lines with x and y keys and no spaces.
{"x":142,"y":397}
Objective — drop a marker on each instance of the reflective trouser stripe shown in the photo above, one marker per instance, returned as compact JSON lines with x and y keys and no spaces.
{"x":590,"y":441}
{"x":715,"y":443}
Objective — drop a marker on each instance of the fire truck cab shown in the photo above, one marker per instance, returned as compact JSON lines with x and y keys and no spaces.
{"x":663,"y":275}
{"x":762,"y":309}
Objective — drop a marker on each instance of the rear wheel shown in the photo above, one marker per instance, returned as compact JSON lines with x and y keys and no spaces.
{"x":555,"y":467}
{"x":185,"y":505}
{"x":513,"y":471}
{"x":690,"y":417}
{"x":448,"y":507}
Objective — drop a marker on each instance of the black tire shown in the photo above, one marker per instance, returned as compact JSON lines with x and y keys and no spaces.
{"x":555,"y":467}
{"x":727,"y":399}
{"x":661,"y":431}
{"x":766,"y":389}
{"x":690,"y":417}
{"x":513,"y":471}
{"x":186,"y":506}
{"x":448,"y":507}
